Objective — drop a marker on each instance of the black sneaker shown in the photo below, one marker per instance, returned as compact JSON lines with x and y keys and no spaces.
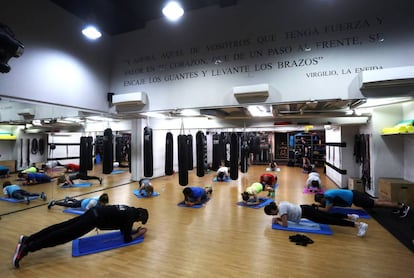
{"x":404,"y":211}
{"x":19,"y":253}
{"x":51,"y":204}
{"x":27,"y":200}
{"x":22,"y":239}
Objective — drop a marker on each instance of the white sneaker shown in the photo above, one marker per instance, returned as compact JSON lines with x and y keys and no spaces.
{"x":362,"y":229}
{"x":353,"y":217}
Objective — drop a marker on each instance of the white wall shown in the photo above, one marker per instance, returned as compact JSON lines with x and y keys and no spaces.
{"x":159,"y":59}
{"x":59,"y":65}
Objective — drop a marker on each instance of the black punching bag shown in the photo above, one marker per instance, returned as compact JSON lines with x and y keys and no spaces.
{"x":200,"y":153}
{"x":216,"y":152}
{"x":169,"y":154}
{"x":182,"y":160}
{"x":234,"y":156}
{"x":244,"y":156}
{"x":108,"y":152}
{"x":190,"y":152}
{"x":86,"y":150}
{"x":148,"y":158}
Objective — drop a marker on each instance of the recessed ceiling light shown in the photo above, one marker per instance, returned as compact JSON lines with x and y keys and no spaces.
{"x":91,"y":33}
{"x":173,"y":10}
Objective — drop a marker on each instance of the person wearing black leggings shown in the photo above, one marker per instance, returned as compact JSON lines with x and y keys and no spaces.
{"x":114,"y":217}
{"x":286,"y":211}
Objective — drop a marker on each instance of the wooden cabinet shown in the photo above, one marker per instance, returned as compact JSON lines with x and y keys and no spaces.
{"x":396,"y":190}
{"x":355,"y":184}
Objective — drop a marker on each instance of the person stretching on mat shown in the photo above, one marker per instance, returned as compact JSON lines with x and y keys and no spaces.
{"x":113,"y":217}
{"x":68,"y":179}
{"x":196,"y":195}
{"x":84,"y":204}
{"x":345,"y":198}
{"x":145,"y":187}
{"x":250,"y":197}
{"x":273,"y":166}
{"x":34,"y":178}
{"x":313,"y":183}
{"x":269,"y":180}
{"x":222,"y":173}
{"x":286,"y":211}
{"x":14,"y":191}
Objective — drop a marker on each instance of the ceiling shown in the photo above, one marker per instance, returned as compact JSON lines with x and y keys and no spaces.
{"x":115,"y":17}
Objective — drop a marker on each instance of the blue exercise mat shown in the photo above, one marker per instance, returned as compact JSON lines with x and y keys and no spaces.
{"x":114,"y":172}
{"x":263,"y":202}
{"x":99,"y":243}
{"x":13,"y":200}
{"x":344,"y":210}
{"x":182,"y":204}
{"x":305,"y":226}
{"x":85,"y":184}
{"x":77,"y":211}
{"x":225,"y":180}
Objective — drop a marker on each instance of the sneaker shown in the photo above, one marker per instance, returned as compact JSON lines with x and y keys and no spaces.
{"x":43,"y":196}
{"x":362,"y":229}
{"x":22,"y":239}
{"x":51,"y":204}
{"x":27,"y":200}
{"x":353,"y":217}
{"x":404,"y":211}
{"x":19,"y":253}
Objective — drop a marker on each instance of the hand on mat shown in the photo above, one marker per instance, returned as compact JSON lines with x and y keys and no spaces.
{"x":139,"y":232}
{"x":189,"y":204}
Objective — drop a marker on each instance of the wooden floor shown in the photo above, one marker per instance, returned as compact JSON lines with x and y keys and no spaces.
{"x":221,"y":239}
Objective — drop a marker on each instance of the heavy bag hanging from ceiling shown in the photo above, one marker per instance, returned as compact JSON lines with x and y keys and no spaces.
{"x":108,"y":152}
{"x":83,"y":155}
{"x":234,"y":156}
{"x":169,"y":154}
{"x":148,"y":156}
{"x":182,"y":160}
{"x":200,"y":153}
{"x":216,"y":152}
{"x":190,"y":152}
{"x":244,"y":156}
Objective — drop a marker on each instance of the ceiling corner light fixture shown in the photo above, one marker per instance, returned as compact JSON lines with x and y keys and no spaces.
{"x":173,"y":11}
{"x":91,"y":32}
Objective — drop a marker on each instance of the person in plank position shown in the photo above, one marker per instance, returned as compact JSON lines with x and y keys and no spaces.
{"x":114,"y":217}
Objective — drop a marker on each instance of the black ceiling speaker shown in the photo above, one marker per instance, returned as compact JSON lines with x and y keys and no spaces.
{"x":9,"y":47}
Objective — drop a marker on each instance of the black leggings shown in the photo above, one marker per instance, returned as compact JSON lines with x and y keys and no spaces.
{"x":82,"y":176}
{"x":318,"y":216}
{"x":20,"y":194}
{"x":70,"y":203}
{"x":62,"y":232}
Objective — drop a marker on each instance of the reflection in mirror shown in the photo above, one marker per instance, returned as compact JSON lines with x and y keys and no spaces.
{"x":32,"y":135}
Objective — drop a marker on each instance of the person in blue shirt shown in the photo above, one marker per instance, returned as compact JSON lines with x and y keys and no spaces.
{"x":196,"y":195}
{"x":346,"y":198}
{"x":84,"y":204}
{"x":34,"y":178}
{"x":14,"y":191}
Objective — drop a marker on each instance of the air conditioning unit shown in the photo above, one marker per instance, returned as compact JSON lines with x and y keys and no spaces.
{"x":390,"y":82}
{"x":129,"y":102}
{"x":251,"y":93}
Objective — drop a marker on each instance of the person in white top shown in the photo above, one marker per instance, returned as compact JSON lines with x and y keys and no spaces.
{"x":222,"y":173}
{"x":313,"y":182}
{"x":286,"y":211}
